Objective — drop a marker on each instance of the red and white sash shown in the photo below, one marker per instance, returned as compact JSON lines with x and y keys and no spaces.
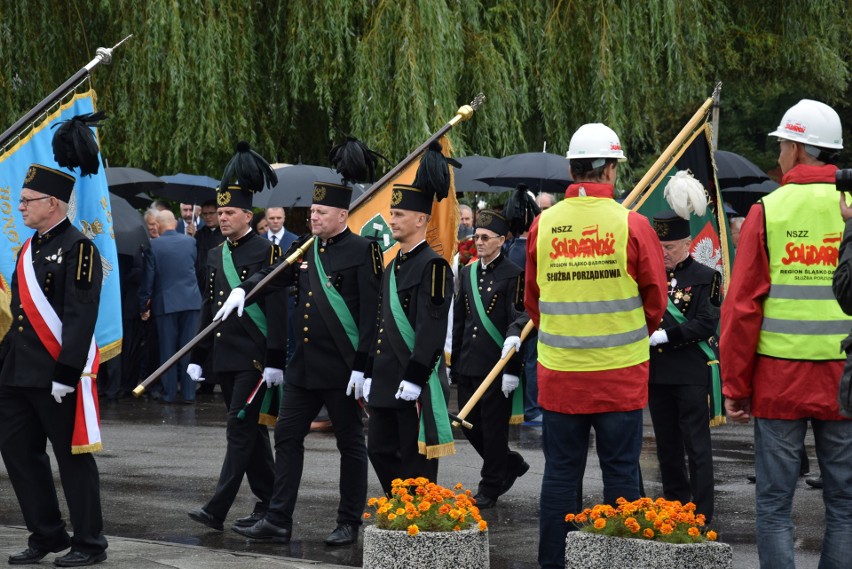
{"x":48,"y":327}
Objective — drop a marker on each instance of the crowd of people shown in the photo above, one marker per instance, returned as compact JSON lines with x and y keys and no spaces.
{"x":622,"y":318}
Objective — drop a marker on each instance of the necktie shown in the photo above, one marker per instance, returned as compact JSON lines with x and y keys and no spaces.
{"x":273,"y":238}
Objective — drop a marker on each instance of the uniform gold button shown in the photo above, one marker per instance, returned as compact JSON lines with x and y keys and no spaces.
{"x":20,"y":317}
{"x":221,"y":293}
{"x":307,"y":305}
{"x":306,"y":316}
{"x":660,"y":350}
{"x":378,"y":352}
{"x":473,"y":336}
{"x":310,"y":293}
{"x":20,"y":328}
{"x":219,"y":303}
{"x":306,"y":340}
{"x":322,"y":249}
{"x":475,"y":328}
{"x":218,"y":334}
{"x":305,"y":329}
{"x":379,"y":341}
{"x":381,"y":330}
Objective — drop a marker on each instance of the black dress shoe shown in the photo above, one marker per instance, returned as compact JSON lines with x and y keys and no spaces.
{"x":513,"y":476}
{"x":201,"y":516}
{"x":815,"y":482}
{"x":343,"y":534}
{"x":27,"y":556}
{"x":265,"y":530}
{"x":79,"y":559}
{"x":249,"y":520}
{"x":752,"y":478}
{"x":484,"y":502}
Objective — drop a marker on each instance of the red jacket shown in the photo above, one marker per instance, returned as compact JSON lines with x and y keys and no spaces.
{"x":778,"y":388}
{"x":622,"y":389}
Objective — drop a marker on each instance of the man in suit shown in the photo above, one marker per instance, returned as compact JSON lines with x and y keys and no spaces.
{"x":490,"y":299}
{"x":169,"y":292}
{"x":275,"y":230}
{"x":238,"y":348}
{"x":417,"y":290}
{"x":188,"y":223}
{"x":337,"y":285}
{"x":55,"y":297}
{"x":680,"y":377}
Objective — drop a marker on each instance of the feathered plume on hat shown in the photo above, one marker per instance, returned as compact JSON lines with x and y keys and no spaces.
{"x":354,"y":161}
{"x":520,"y":210}
{"x":75,"y":145}
{"x":251,"y":171}
{"x":433,"y":173}
{"x":685,"y":194}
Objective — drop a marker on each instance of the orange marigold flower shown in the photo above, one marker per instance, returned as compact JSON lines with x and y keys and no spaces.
{"x":391,"y":516}
{"x":581,"y":518}
{"x":413,"y":529}
{"x":424,"y":506}
{"x":666,"y":529}
{"x":483,"y":525}
{"x":600,"y":523}
{"x":456,"y":528}
{"x":400,"y":511}
{"x":693,"y":532}
{"x":649,"y":533}
{"x":458,"y":486}
{"x":443,"y":510}
{"x":711,"y":535}
{"x":569,"y":517}
{"x":650,"y":515}
{"x":372,"y":501}
{"x":407,"y":498}
{"x":367,"y":515}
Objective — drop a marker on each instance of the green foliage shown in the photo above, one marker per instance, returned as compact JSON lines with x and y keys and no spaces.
{"x":290,"y":77}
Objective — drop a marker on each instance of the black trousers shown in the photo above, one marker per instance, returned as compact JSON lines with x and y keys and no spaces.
{"x":29,"y":418}
{"x":298,"y":409}
{"x":490,"y":433}
{"x":682,"y":423}
{"x":248,"y":451}
{"x":393,"y":449}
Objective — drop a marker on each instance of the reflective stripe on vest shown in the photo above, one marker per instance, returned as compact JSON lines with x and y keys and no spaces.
{"x":801,"y":318}
{"x":591,"y":312}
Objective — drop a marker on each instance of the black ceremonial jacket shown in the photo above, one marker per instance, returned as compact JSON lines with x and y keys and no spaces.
{"x":695,"y":290}
{"x":501,"y":288}
{"x":68,"y":269}
{"x":324,"y":356}
{"x":237,"y":343}
{"x":424,"y":286}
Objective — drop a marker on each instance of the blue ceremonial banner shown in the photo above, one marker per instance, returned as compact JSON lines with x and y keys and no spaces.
{"x":89,"y":211}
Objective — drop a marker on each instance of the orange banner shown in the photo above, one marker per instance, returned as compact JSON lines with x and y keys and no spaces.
{"x":370,"y":219}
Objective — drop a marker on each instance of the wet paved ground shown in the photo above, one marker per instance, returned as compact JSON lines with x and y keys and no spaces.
{"x":162,"y":460}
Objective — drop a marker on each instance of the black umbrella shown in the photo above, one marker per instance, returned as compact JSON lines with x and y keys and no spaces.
{"x":472,"y":166}
{"x":741,"y":198}
{"x":295,"y":187}
{"x":189,"y":188}
{"x":128,"y":182}
{"x":128,"y":226}
{"x":540,"y":171}
{"x":735,"y":171}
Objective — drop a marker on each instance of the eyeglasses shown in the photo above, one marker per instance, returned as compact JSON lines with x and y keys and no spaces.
{"x":483,"y":238}
{"x":26,"y":201}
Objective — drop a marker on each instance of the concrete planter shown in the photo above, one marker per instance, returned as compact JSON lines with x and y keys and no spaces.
{"x":385,"y":549}
{"x":592,"y":551}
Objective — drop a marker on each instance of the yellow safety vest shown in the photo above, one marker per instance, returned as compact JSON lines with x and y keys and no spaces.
{"x":591,"y":310}
{"x":801,"y":318}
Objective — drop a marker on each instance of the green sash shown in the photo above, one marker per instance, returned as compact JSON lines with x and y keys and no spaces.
{"x":336,"y":301}
{"x":253,"y":310}
{"x":718,"y":417}
{"x":517,"y":416}
{"x":436,"y":435}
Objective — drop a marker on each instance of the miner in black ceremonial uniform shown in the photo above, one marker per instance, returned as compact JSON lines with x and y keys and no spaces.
{"x":240,"y":349}
{"x":490,"y":299}
{"x":58,"y":275}
{"x":409,"y":426}
{"x":682,"y":365}
{"x":337,"y":286}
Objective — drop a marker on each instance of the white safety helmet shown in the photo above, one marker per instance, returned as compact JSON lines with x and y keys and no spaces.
{"x":595,"y":140}
{"x":811,"y":123}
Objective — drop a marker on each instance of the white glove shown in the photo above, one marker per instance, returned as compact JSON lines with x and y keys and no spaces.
{"x":408,"y":391}
{"x":508,"y":343}
{"x":273,"y":376}
{"x":60,"y":390}
{"x":356,"y":384}
{"x":510,"y":383}
{"x":194,"y":372}
{"x":236,"y":299}
{"x":365,"y":389}
{"x":659,"y":337}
